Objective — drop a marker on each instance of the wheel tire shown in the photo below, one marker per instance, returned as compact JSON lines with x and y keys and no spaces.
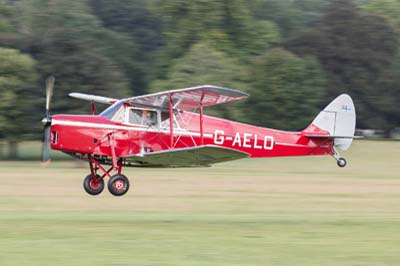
{"x":341,"y":162}
{"x":118,"y":185}
{"x":91,"y":187}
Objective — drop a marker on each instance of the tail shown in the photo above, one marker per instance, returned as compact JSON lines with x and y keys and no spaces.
{"x":337,"y":121}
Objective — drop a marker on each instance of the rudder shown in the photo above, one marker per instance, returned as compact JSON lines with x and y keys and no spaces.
{"x":339,"y":120}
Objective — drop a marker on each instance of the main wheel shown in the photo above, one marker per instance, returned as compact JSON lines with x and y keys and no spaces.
{"x":341,"y":162}
{"x":92,"y":187}
{"x":118,"y":185}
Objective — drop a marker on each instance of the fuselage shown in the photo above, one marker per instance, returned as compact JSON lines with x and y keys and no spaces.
{"x":89,"y":134}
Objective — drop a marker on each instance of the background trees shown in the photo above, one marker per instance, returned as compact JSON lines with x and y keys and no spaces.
{"x":17,"y":75}
{"x":290,"y":87}
{"x":289,"y":55}
{"x":356,"y":52}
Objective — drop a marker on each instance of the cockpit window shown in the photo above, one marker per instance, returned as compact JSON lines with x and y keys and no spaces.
{"x":112,"y":110}
{"x":135,"y":116}
{"x":119,"y":116}
{"x":138,"y":116}
{"x":165,"y":120}
{"x":142,"y":117}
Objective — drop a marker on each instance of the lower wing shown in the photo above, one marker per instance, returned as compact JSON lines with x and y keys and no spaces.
{"x":186,"y":157}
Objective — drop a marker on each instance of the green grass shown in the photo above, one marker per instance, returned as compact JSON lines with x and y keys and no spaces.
{"x":282,"y":211}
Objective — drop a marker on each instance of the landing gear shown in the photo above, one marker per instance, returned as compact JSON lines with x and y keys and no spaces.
{"x":93,"y":186}
{"x":118,"y":185}
{"x":341,"y":162}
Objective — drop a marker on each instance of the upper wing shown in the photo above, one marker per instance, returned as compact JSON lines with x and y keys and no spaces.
{"x":183,"y":99}
{"x":94,"y":98}
{"x":193,"y":156}
{"x":189,"y":98}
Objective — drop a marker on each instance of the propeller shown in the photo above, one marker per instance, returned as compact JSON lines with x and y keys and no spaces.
{"x":49,"y":92}
{"x":47,"y":120}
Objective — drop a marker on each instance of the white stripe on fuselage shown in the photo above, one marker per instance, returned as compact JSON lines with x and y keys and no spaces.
{"x":144,"y":129}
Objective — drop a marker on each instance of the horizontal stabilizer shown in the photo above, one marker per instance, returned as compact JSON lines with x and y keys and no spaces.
{"x":186,"y":157}
{"x":94,"y":98}
{"x":332,"y":137}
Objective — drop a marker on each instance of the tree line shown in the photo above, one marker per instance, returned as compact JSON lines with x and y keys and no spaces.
{"x":292,"y":57}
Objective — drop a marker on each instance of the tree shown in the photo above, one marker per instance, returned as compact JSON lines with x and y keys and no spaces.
{"x":388,"y":9}
{"x":70,"y":43}
{"x":132,"y":17}
{"x":386,"y":99}
{"x":354,"y":49}
{"x":227,"y":24}
{"x":135,"y":35}
{"x":388,"y":96}
{"x":291,"y":17}
{"x":17,"y":74}
{"x":263,"y":35}
{"x":79,"y":67}
{"x":6,"y":17}
{"x":286,"y":90}
{"x":185,"y":22}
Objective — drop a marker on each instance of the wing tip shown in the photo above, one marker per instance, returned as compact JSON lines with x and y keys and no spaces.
{"x":239,"y":92}
{"x":94,"y":98}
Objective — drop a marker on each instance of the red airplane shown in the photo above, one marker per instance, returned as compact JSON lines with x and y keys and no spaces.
{"x":163,"y":130}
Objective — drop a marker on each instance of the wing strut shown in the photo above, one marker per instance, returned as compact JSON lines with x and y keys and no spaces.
{"x":201,"y":125}
{"x":92,"y":110}
{"x":201,"y":120}
{"x":171,"y":130}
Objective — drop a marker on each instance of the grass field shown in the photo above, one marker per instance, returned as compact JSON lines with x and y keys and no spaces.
{"x":287,"y":211}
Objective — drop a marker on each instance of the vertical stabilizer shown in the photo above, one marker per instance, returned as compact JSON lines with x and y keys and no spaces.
{"x":339,"y":120}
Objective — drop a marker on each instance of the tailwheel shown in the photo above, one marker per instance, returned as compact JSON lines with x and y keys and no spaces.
{"x":118,"y":185}
{"x":93,"y":187}
{"x":341,"y":162}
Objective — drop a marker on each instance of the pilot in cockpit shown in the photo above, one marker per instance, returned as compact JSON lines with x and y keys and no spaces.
{"x":149,"y":118}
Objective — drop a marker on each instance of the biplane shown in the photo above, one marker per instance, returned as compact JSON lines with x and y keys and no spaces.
{"x":169,"y":129}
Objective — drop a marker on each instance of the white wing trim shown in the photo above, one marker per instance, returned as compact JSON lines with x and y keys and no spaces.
{"x":94,"y":98}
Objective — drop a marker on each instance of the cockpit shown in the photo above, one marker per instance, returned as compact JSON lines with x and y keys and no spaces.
{"x":124,"y":113}
{"x":142,"y":117}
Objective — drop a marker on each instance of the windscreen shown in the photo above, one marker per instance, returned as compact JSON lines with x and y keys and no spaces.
{"x":112,"y":110}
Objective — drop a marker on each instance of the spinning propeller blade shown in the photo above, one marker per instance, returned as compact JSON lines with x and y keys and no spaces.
{"x":46,"y":144}
{"x":47,"y":120}
{"x":49,"y":92}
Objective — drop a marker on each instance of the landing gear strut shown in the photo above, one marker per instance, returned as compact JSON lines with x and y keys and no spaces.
{"x":93,"y":183}
{"x":341,"y":162}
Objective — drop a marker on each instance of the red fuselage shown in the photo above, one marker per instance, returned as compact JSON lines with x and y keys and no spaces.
{"x":87,"y":134}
